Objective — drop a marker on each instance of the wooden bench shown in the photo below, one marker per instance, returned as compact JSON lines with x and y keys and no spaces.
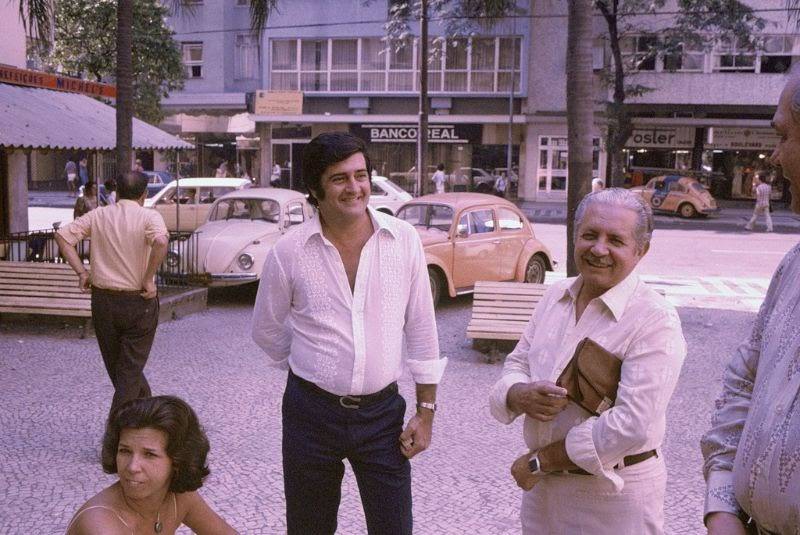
{"x":43,"y":288}
{"x":501,"y":310}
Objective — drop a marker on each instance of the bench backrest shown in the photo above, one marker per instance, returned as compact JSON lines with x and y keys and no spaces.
{"x":41,"y":288}
{"x":501,"y":310}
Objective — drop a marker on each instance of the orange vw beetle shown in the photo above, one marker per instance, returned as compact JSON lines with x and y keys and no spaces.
{"x":682,"y":195}
{"x":472,"y":237}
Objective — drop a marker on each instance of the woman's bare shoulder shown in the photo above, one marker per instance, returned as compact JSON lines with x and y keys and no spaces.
{"x":99,"y":515}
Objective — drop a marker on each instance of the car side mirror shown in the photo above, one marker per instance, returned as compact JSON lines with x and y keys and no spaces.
{"x":462,"y":233}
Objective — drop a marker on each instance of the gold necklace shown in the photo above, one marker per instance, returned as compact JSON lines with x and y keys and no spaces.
{"x":157,"y":525}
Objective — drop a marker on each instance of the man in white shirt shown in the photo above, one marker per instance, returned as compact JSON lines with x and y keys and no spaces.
{"x":763,"y":192}
{"x":584,"y":473}
{"x":345,"y":302}
{"x":439,"y":178}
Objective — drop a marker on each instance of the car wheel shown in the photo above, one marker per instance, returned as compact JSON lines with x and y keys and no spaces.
{"x":687,"y":210}
{"x":436,"y":285}
{"x":535,"y":270}
{"x":483,"y":187}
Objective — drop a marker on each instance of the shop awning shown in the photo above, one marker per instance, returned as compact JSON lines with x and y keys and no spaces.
{"x":44,"y":119}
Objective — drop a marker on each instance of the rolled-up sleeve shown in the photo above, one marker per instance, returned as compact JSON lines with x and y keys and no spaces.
{"x":78,"y":229}
{"x":422,"y":340}
{"x":719,"y":444}
{"x":155,"y":228}
{"x":650,"y":369}
{"x":271,"y":312}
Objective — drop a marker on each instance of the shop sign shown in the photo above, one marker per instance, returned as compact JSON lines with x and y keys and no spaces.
{"x":742,"y":138}
{"x":398,"y":133}
{"x":658,"y":137}
{"x":278,"y":103}
{"x":44,"y":80}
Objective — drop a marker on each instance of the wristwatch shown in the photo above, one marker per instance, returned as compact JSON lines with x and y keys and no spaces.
{"x":534,"y":464}
{"x":425,"y":405}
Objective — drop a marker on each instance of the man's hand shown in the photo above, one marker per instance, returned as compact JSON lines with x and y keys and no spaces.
{"x":85,"y":281}
{"x":722,"y":523}
{"x":149,"y":289}
{"x":541,"y":400}
{"x":418,"y":432}
{"x":522,"y":473}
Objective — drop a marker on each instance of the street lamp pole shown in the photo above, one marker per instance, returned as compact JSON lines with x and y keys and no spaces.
{"x":422,"y":135}
{"x":509,"y":156}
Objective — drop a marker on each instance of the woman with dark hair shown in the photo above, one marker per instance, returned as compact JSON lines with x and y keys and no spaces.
{"x":158,"y":449}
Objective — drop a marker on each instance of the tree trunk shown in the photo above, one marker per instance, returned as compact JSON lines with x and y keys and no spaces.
{"x":580,"y":114}
{"x":422,"y":135}
{"x":124,"y":85}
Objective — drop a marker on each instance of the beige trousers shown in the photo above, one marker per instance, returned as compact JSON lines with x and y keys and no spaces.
{"x":571,"y":504}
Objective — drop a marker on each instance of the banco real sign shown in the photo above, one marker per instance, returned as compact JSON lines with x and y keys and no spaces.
{"x":400,"y":133}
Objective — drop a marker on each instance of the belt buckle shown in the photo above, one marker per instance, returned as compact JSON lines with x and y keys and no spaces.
{"x":344,"y":402}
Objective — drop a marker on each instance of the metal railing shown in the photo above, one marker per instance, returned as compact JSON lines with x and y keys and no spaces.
{"x":180,"y":268}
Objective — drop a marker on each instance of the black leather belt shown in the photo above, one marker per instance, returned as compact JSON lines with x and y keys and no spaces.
{"x":348,"y":402}
{"x":630,"y":460}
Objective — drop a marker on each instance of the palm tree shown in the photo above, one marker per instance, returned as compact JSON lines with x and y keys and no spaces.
{"x":580,"y":113}
{"x":124,"y":81}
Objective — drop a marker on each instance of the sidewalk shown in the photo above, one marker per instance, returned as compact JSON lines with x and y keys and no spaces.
{"x":733,"y":213}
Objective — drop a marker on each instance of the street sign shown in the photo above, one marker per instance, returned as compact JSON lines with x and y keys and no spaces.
{"x":44,"y":80}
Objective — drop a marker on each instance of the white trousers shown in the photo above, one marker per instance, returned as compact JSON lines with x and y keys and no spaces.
{"x":760,"y":210}
{"x":572,"y":504}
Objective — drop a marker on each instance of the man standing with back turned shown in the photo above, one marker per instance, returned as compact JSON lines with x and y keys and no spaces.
{"x":345,"y":299}
{"x":128,"y":243}
{"x":752,"y":451}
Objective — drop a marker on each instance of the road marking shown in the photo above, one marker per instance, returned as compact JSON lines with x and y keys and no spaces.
{"x":736,"y":251}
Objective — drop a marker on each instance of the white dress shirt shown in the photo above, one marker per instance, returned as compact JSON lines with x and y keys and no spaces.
{"x":633,"y":322}
{"x":349,"y":342}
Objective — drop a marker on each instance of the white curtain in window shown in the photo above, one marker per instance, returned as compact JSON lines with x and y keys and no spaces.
{"x":246,"y":60}
{"x":284,"y":55}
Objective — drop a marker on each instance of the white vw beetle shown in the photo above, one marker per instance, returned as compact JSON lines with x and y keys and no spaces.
{"x":387,"y":196}
{"x":241,"y":228}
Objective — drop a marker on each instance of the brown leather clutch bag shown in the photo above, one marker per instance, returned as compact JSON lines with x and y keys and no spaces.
{"x":592,"y":377}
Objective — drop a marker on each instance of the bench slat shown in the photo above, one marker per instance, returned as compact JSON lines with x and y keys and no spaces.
{"x":65,"y":286}
{"x":502,"y":310}
{"x":42,"y":288}
{"x":67,"y":293}
{"x":73,"y":312}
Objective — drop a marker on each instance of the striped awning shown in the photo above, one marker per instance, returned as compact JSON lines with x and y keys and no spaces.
{"x":44,"y":119}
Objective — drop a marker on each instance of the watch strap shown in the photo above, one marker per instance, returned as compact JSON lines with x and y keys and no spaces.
{"x":426,"y":405}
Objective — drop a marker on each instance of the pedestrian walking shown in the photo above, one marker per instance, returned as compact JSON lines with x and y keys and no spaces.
{"x":596,"y":470}
{"x":83,"y":171}
{"x":439,"y":178}
{"x":128,"y":243}
{"x":86,"y":202}
{"x":763,"y":191}
{"x":500,"y":185}
{"x":345,"y":302}
{"x":275,"y":179}
{"x":751,"y":451}
{"x":71,"y":172}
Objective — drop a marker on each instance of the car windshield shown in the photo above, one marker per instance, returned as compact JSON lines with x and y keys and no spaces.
{"x":427,"y":215}
{"x":391,"y":187}
{"x":250,"y":209}
{"x":697,"y":186}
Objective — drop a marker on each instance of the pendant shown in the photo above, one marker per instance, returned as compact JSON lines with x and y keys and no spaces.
{"x":158,"y":526}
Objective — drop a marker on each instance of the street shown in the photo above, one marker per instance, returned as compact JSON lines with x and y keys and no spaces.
{"x":56,"y":395}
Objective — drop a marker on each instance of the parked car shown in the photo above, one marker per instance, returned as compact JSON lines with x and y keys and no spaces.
{"x":387,"y":196}
{"x":676,"y":194}
{"x":193,"y":204}
{"x":242,"y":227}
{"x":471,"y":237}
{"x":157,"y":180}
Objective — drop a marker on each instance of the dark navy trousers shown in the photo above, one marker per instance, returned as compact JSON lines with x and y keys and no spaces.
{"x":318,"y":434}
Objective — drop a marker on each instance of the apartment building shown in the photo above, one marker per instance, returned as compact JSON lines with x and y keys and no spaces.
{"x":707,"y":109}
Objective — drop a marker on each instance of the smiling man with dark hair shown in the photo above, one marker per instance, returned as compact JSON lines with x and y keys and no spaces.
{"x":345,"y":302}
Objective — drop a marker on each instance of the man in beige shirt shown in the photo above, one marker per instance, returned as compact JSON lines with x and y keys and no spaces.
{"x":584,"y":473}
{"x":128,"y":243}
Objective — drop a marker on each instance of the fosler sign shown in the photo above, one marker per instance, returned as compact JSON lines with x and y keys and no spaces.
{"x":397,"y":133}
{"x":662,"y":137}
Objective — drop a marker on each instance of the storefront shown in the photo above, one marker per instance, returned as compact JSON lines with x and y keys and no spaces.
{"x":737,"y":154}
{"x":652,"y":149}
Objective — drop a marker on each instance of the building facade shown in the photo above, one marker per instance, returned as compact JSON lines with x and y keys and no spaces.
{"x":706,"y":111}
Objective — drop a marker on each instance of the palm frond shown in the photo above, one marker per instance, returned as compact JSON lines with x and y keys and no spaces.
{"x":37,"y":17}
{"x":260,"y":10}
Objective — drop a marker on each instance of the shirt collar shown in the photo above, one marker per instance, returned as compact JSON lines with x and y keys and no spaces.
{"x":125,"y":201}
{"x":381,"y":222}
{"x":615,"y":299}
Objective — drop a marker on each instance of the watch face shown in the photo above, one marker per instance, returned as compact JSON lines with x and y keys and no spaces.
{"x":534,"y":465}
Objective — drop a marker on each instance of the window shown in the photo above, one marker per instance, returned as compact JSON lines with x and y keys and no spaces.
{"x":284,"y":75}
{"x":193,"y":59}
{"x":481,"y":221}
{"x":294,"y":214}
{"x":685,"y":59}
{"x":776,"y":54}
{"x":508,"y":220}
{"x":344,"y":64}
{"x":313,"y":65}
{"x":733,"y":57}
{"x":377,"y":190}
{"x":370,"y":64}
{"x":246,"y":57}
{"x":638,"y":52}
